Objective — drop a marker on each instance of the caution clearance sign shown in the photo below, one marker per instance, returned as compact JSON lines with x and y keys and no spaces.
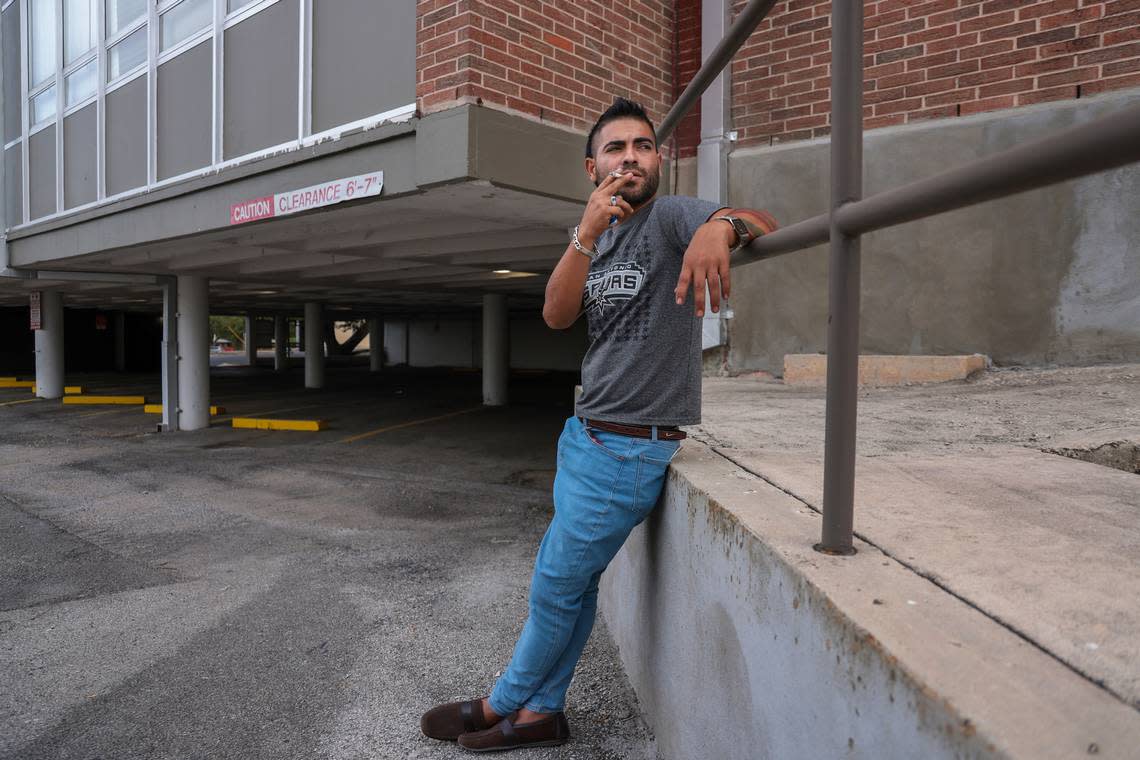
{"x":315,"y":196}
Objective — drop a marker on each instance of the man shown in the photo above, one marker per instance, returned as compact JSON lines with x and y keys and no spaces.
{"x":629,"y":266}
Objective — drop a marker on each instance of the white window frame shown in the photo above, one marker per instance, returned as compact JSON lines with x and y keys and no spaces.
{"x":241,"y":14}
{"x":106,"y":45}
{"x":25,"y":109}
{"x":155,"y":8}
{"x":182,"y":46}
{"x":87,"y":54}
{"x":92,"y":55}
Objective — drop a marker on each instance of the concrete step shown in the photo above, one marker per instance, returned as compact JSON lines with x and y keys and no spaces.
{"x":883,"y":370}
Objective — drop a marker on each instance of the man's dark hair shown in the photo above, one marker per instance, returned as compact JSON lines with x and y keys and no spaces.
{"x":621,"y":109}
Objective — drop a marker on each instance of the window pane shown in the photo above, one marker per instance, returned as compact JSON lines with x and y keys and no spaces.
{"x":43,"y":105}
{"x":120,"y":14}
{"x":127,"y":54}
{"x":233,"y":5}
{"x":78,"y":28}
{"x":185,"y":19}
{"x":81,"y":83}
{"x":42,"y":32}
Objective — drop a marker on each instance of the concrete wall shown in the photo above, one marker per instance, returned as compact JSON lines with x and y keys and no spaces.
{"x":1047,"y":276}
{"x":536,"y":346}
{"x":457,"y":342}
{"x":711,"y":625}
{"x":394,"y":332}
{"x":445,"y":343}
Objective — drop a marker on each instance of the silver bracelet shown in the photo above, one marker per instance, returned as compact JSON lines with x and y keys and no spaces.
{"x":592,"y":253}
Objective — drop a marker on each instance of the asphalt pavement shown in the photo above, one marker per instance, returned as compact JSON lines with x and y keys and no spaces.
{"x":253,"y":594}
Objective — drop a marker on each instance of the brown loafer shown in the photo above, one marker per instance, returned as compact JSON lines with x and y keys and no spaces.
{"x":448,"y":721}
{"x":547,"y":732}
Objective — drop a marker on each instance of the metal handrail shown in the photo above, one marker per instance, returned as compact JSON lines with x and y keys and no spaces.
{"x":1105,"y":143}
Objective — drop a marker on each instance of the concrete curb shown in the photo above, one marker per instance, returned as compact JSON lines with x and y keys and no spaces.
{"x":811,"y":369}
{"x":722,"y":612}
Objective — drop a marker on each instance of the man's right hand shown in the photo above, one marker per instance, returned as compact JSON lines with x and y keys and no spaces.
{"x":596,"y":218}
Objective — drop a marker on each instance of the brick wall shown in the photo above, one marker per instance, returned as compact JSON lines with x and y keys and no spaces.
{"x":556,"y":62}
{"x":932,"y":59}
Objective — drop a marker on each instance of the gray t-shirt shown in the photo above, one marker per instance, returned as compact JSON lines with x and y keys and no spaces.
{"x":643,"y":366}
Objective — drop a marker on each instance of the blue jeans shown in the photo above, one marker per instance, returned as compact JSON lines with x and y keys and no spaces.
{"x":606,"y":484}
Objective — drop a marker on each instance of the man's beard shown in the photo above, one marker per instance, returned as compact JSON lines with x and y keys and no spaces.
{"x":651,"y":179}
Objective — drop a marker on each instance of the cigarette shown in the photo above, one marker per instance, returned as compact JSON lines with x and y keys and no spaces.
{"x":616,"y":173}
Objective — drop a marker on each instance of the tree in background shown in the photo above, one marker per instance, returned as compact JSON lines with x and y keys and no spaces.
{"x":230,"y":328}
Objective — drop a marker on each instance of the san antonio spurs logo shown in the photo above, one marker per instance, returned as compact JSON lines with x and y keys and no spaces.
{"x":619,"y":282}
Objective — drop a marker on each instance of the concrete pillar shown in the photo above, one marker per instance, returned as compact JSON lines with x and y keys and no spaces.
{"x":375,"y":344}
{"x":169,"y":359}
{"x":250,"y":342}
{"x":496,"y":349}
{"x":280,"y":342}
{"x":193,"y":352}
{"x":314,"y":346}
{"x":49,"y":346}
{"x":120,"y":341}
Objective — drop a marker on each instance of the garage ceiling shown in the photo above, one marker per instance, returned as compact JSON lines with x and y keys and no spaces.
{"x":436,"y":250}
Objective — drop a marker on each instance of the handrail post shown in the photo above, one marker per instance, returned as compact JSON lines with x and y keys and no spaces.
{"x":843,"y":279}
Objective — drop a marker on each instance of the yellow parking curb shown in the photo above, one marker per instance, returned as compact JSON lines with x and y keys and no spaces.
{"x":256,"y":423}
{"x":13,"y":383}
{"x":72,"y":389}
{"x":125,"y":400}
{"x":157,"y":409}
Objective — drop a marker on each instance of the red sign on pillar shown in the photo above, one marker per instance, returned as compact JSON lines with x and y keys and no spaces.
{"x":37,"y":318}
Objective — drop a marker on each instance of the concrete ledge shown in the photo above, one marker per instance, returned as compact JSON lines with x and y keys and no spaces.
{"x":100,"y":400}
{"x":723,"y":614}
{"x":811,"y":369}
{"x":254,"y":423}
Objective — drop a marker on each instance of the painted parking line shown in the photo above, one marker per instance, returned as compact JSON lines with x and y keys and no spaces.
{"x":378,"y":431}
{"x":21,"y":401}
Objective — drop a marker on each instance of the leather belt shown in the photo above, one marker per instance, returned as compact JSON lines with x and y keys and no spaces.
{"x":664,"y":432}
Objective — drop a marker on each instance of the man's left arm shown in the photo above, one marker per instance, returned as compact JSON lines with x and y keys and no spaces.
{"x":707,"y":257}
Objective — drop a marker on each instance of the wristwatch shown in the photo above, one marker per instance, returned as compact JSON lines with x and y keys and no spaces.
{"x":743,"y":235}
